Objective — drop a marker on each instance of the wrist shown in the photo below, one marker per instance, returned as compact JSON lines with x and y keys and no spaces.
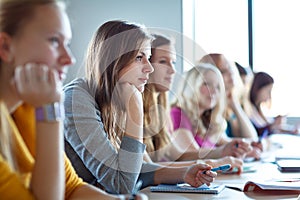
{"x":52,"y":112}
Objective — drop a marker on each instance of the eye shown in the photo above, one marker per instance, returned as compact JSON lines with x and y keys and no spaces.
{"x":54,"y":41}
{"x":139,"y":58}
{"x":174,"y":62}
{"x":162,"y":62}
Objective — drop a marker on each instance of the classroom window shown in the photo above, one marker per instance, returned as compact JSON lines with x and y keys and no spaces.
{"x":221,"y":26}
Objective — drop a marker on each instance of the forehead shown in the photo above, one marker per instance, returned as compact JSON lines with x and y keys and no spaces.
{"x":146,"y":48}
{"x":165,"y":50}
{"x":210,"y":75}
{"x":49,"y":18}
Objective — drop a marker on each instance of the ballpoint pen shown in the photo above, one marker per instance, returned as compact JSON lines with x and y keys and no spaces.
{"x":263,"y":135}
{"x":137,"y":187}
{"x":220,"y":168}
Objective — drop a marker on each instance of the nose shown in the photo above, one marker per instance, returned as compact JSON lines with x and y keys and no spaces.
{"x":172,"y":69}
{"x":148,"y":68}
{"x":67,"y":58}
{"x":212,"y":89}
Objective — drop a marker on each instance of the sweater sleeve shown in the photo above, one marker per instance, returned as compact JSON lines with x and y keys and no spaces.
{"x":89,"y":149}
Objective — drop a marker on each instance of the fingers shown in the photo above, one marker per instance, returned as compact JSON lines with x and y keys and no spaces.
{"x":206,"y":178}
{"x":37,"y":84}
{"x":240,"y":148}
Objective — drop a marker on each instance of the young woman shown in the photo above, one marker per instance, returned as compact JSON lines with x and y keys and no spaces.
{"x":104,"y":114}
{"x":260,"y":92}
{"x":158,"y":137}
{"x":35,"y":54}
{"x":238,"y":123}
{"x":200,"y":108}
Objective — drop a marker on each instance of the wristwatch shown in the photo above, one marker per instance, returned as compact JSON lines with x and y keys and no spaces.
{"x":53,"y":112}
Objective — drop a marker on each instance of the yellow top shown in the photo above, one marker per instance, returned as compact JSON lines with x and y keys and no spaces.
{"x":14,"y":185}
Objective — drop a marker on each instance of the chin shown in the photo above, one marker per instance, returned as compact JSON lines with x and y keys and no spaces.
{"x":141,"y":89}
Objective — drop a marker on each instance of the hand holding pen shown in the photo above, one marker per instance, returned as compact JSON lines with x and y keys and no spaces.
{"x":222,"y":168}
{"x":237,"y":148}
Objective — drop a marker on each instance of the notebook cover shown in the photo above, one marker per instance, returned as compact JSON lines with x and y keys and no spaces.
{"x":212,"y":189}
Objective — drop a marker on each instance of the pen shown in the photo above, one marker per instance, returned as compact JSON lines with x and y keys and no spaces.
{"x":263,"y":135}
{"x":137,"y":187}
{"x":220,"y":168}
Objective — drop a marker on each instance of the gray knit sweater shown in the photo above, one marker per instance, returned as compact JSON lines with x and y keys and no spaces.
{"x":90,"y":151}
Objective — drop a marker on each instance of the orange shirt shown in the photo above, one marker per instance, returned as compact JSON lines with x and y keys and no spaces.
{"x":14,"y":185}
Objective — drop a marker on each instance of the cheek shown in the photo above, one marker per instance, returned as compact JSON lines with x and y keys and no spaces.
{"x":43,"y":56}
{"x":204,"y":90}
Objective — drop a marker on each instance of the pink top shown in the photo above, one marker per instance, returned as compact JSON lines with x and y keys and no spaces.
{"x":180,"y":120}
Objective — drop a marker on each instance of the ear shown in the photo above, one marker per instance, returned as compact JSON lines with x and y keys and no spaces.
{"x":5,"y":50}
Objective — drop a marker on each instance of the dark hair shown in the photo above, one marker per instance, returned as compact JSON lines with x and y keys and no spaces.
{"x":260,"y":80}
{"x":160,"y":40}
{"x":242,"y":70}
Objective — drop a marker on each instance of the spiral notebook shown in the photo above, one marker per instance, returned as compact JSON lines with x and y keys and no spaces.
{"x":184,"y":187}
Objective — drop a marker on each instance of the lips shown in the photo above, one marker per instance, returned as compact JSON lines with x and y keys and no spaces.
{"x":61,"y":75}
{"x":143,"y":80}
{"x":169,"y":80}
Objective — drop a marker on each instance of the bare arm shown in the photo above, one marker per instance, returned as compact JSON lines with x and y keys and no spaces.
{"x":38,"y":85}
{"x":241,"y":126}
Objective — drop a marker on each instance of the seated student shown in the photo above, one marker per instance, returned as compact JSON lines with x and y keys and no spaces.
{"x":238,"y":123}
{"x":104,"y":114}
{"x":199,"y":109}
{"x":160,"y":144}
{"x":260,"y":92}
{"x":34,"y":53}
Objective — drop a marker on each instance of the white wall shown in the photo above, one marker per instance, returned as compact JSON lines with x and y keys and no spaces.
{"x":87,"y":15}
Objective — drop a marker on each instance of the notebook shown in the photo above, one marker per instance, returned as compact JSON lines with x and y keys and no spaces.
{"x":289,"y":184}
{"x":184,"y":187}
{"x":284,"y":184}
{"x":288,"y":165}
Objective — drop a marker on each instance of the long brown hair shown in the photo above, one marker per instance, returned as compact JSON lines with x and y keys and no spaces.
{"x":260,"y":80}
{"x":114,"y":45}
{"x":14,"y":14}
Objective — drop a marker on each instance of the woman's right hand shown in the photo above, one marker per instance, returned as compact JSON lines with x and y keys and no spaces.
{"x":131,"y":100}
{"x":237,"y":148}
{"x":129,"y":96}
{"x":37,"y":84}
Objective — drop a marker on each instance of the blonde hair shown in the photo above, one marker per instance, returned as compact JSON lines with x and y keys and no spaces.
{"x":188,"y":96}
{"x":6,"y":143}
{"x":14,"y":14}
{"x":157,"y":122}
{"x":114,"y":45}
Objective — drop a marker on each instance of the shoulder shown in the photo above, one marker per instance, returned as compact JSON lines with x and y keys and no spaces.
{"x":175,"y":110}
{"x":78,"y":94}
{"x":76,"y":84}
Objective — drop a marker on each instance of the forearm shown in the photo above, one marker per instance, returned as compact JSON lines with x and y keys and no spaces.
{"x":246,"y":128}
{"x":178,"y":163}
{"x":49,"y":162}
{"x":201,"y":153}
{"x":169,"y":175}
{"x":134,"y":121}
